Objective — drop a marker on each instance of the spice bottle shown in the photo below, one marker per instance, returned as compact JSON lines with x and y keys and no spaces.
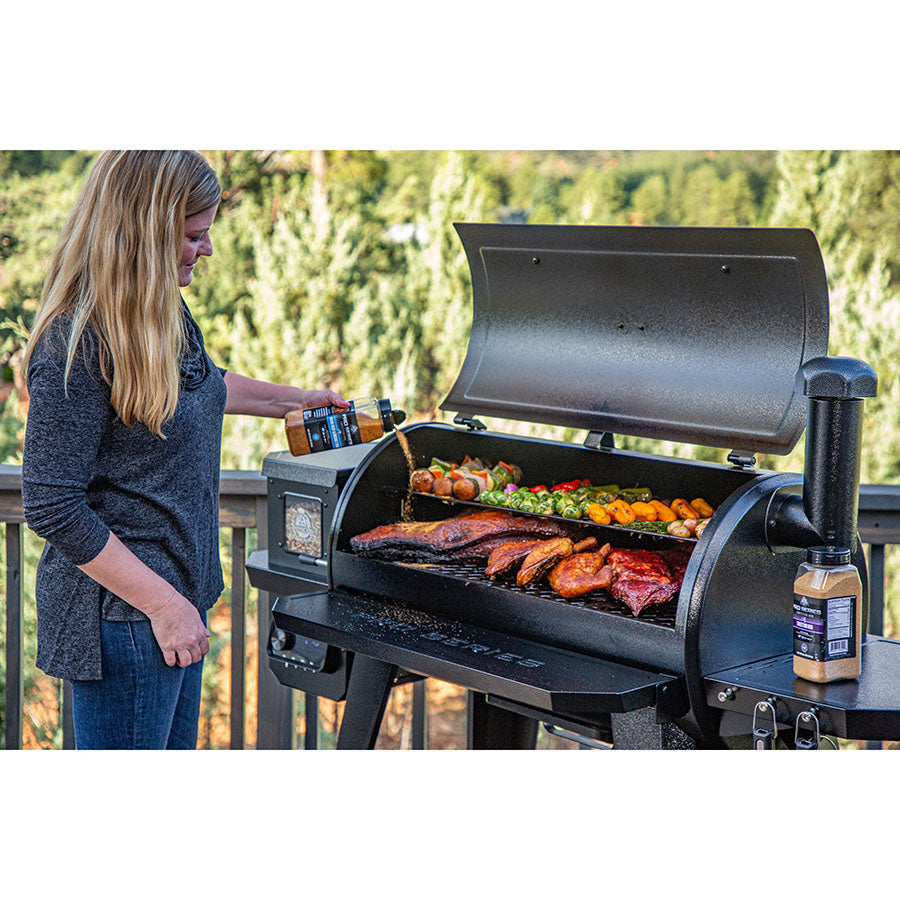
{"x":328,"y":427}
{"x":827,"y":616}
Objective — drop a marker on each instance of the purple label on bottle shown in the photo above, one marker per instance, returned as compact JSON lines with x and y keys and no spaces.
{"x":824,"y":629}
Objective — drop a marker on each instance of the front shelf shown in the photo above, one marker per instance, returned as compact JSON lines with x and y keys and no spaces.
{"x":865,"y":709}
{"x":545,"y":678}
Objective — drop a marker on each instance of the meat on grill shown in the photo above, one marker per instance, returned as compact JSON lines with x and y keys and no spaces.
{"x":582,"y":573}
{"x":508,"y":555}
{"x":546,"y":555}
{"x":641,"y":578}
{"x":469,"y":536}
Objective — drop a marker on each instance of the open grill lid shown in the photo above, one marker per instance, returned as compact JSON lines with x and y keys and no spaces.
{"x":685,"y":334}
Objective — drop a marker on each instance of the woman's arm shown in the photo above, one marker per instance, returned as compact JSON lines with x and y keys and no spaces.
{"x":249,"y":397}
{"x":177,"y":626}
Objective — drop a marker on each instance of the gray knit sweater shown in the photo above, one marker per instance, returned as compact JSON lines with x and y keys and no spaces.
{"x":85,"y":473}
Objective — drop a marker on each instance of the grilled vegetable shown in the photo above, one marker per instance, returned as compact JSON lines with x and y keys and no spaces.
{"x":465,"y":488}
{"x":644,"y":512}
{"x":573,"y":511}
{"x":421,"y":480}
{"x":677,"y":529}
{"x":631,"y":495}
{"x":655,"y":527}
{"x":684,"y":510}
{"x":621,"y":512}
{"x":443,"y":486}
{"x":701,"y":527}
{"x":663,"y":512}
{"x":702,"y":507}
{"x":566,"y":486}
{"x":599,"y":514}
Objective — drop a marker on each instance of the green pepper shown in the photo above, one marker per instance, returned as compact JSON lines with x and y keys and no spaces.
{"x":635,"y":494}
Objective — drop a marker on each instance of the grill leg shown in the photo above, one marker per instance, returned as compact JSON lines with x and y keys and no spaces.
{"x":492,"y":728}
{"x":639,"y":730}
{"x":368,"y":690}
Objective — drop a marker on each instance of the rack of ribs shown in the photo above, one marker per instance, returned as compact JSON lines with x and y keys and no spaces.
{"x":469,"y":536}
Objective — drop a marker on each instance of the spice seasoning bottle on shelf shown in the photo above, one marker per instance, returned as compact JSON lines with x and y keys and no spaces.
{"x":326,"y":428}
{"x":827,"y":616}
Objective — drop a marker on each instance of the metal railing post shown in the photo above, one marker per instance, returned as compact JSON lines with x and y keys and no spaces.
{"x":14,"y":620}
{"x":238,"y":595}
{"x":274,"y":711}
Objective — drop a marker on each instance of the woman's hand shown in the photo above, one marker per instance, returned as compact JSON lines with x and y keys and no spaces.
{"x":315,"y":399}
{"x":179,"y":631}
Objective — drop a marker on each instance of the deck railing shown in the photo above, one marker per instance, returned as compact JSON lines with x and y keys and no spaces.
{"x":242,"y":504}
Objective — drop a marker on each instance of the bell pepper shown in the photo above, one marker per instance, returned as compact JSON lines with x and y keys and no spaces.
{"x":663,"y":512}
{"x":684,"y":510}
{"x":630,"y":495}
{"x":540,"y":487}
{"x":599,"y":514}
{"x":644,"y":512}
{"x":621,"y":511}
{"x":567,"y":486}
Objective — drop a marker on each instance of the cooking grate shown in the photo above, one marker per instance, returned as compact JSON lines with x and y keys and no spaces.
{"x":600,"y":601}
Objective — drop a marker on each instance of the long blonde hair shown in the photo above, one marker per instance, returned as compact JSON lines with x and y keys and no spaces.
{"x":115,"y":269}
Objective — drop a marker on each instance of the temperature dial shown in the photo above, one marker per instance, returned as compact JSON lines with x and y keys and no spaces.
{"x":281,"y":640}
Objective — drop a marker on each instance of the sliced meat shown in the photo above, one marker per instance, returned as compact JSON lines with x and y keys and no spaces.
{"x":468,"y":536}
{"x":508,"y":556}
{"x":642,"y":578}
{"x":582,"y":573}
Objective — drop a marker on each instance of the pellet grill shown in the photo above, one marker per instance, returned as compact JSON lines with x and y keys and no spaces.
{"x":714,"y":337}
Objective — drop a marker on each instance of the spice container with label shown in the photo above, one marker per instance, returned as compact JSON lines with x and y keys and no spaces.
{"x":329,"y":427}
{"x":827,"y":616}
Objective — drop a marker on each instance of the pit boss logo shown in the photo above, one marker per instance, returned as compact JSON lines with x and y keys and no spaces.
{"x":301,"y":524}
{"x":449,"y":641}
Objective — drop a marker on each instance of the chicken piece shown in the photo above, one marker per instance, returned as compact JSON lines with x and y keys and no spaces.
{"x":508,"y":556}
{"x":582,"y":573}
{"x":546,"y":555}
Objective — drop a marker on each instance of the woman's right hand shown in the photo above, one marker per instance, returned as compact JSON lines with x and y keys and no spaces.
{"x":179,"y":631}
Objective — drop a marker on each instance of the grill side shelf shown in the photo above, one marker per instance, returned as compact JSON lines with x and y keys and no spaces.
{"x":865,"y":709}
{"x":544,"y":677}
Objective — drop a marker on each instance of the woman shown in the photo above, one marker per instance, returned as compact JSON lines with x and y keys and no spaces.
{"x":121,"y":465}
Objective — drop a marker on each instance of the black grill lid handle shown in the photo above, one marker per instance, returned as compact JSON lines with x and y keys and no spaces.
{"x":839,"y":378}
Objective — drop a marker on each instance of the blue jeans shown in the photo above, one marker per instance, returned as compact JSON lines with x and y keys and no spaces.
{"x":140,"y":703}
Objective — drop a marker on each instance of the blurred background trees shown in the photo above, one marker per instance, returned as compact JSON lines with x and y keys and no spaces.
{"x":342,"y":268}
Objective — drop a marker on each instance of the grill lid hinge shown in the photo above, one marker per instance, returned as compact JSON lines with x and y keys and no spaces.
{"x":742,"y":459}
{"x":470,"y":422}
{"x":600,"y":440}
